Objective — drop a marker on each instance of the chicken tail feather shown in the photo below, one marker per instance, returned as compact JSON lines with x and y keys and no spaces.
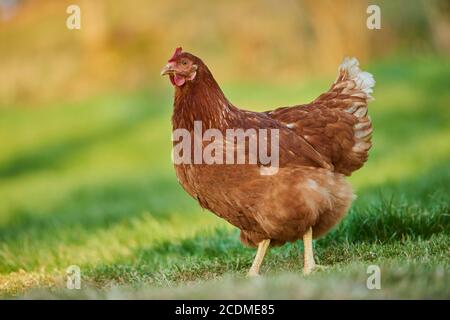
{"x":363,"y":81}
{"x":351,"y":92}
{"x":336,"y":124}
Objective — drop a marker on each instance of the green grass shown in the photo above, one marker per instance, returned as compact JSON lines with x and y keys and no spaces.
{"x":91,"y":184}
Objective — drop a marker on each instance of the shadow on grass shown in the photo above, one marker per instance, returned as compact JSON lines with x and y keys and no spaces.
{"x":100,"y":207}
{"x":54,"y":155}
{"x":417,"y":207}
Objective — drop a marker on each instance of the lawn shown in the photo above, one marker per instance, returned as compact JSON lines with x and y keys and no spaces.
{"x":92,"y":184}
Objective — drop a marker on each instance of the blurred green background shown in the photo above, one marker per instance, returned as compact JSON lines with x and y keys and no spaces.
{"x":85,"y":172}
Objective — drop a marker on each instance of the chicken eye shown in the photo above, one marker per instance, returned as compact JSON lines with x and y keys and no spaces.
{"x":184,"y":62}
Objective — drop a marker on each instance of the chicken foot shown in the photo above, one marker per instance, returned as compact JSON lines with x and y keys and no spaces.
{"x":260,"y":253}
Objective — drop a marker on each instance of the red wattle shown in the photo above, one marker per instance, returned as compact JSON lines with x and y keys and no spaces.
{"x":179,"y":80}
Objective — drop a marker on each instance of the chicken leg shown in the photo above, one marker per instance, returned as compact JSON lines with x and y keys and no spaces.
{"x":260,"y":253}
{"x":309,"y":264}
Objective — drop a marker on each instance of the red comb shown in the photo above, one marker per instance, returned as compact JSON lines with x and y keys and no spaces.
{"x":175,"y":54}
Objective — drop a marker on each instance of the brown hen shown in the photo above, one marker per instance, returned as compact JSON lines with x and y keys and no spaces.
{"x":319,"y":144}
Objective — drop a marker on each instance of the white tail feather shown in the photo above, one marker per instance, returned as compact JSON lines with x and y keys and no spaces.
{"x":364,"y":80}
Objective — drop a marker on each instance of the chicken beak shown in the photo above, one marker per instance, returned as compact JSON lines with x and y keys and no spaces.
{"x":168,"y":68}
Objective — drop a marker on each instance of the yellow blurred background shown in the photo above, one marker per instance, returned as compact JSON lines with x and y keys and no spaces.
{"x":123,"y":44}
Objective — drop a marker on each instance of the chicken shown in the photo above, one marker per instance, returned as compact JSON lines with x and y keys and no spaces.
{"x":319,"y":144}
